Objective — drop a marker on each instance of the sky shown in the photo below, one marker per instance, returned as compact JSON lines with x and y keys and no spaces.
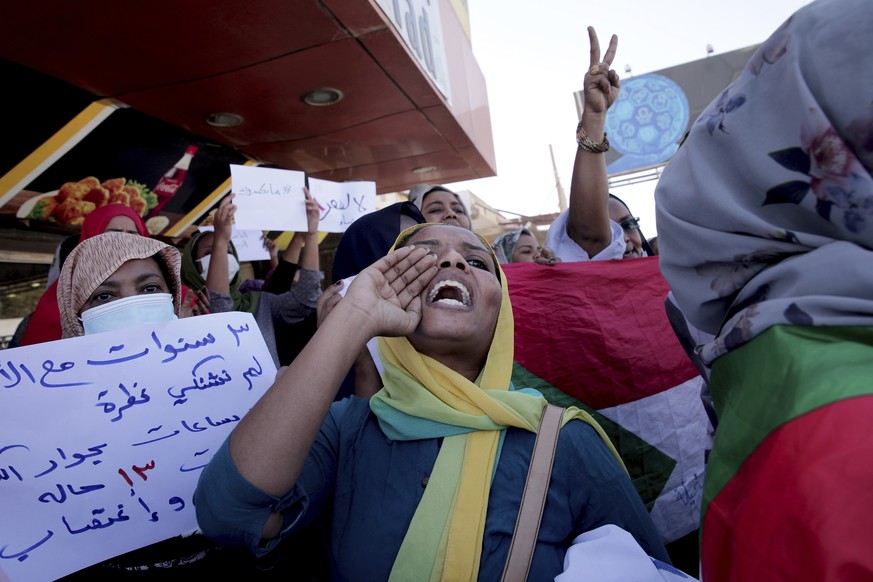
{"x":534,"y":56}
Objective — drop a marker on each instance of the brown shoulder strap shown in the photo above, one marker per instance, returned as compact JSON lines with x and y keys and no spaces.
{"x":536,"y":488}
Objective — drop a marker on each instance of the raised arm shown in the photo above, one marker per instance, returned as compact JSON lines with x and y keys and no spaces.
{"x":309,"y":258}
{"x":217,"y":277}
{"x":588,"y":220}
{"x":271,"y":247}
{"x":271,"y":443}
{"x":291,"y":254}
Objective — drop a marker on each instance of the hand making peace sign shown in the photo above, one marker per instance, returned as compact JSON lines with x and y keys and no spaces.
{"x":601,"y":84}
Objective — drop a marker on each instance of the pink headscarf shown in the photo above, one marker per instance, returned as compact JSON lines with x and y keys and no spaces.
{"x":96,"y":220}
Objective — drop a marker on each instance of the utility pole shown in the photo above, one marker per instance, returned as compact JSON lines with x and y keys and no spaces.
{"x":562,"y":199}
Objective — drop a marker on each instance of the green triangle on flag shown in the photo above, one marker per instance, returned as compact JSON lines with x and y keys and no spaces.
{"x":648,"y":467}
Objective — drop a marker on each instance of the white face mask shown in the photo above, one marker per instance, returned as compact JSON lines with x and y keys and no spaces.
{"x":129,"y":312}
{"x":232,"y":266}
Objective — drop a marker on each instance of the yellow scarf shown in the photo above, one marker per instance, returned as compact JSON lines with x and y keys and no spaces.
{"x":422,"y":398}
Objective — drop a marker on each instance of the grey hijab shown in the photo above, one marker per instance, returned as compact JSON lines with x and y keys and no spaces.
{"x":504,"y":245}
{"x":765,"y":214}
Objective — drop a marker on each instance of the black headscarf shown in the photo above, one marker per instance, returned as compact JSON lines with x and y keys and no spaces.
{"x":650,"y":252}
{"x":369,"y":237}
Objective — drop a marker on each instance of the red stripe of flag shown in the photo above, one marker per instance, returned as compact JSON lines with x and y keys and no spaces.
{"x":597,"y":331}
{"x":800,"y":506}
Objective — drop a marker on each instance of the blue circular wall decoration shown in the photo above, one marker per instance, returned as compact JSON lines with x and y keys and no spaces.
{"x":646,"y":122}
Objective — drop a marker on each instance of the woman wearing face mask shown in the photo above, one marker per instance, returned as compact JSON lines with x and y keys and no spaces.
{"x":115,"y":281}
{"x":118,"y":280}
{"x":403,"y":472}
{"x":45,"y":323}
{"x":209,"y":262}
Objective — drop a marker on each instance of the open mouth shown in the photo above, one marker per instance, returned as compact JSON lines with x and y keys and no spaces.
{"x":449,"y":292}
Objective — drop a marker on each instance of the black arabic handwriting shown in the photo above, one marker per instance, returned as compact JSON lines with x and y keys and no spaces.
{"x":54,"y":465}
{"x":337,"y":204}
{"x":248,"y":374}
{"x":264,"y":188}
{"x":80,"y":457}
{"x":49,"y":367}
{"x":184,"y":346}
{"x":23,"y":555}
{"x":185,"y":469}
{"x":210,"y":380}
{"x":132,"y":400}
{"x":96,"y":523}
{"x":150,"y":441}
{"x":62,"y":493}
{"x":8,"y":447}
{"x":236,"y":332}
{"x":153,"y":515}
{"x":117,"y":348}
{"x":15,"y":373}
{"x":214,"y":423}
{"x":341,"y":205}
{"x":194,"y":426}
{"x":4,"y":474}
{"x":687,"y":493}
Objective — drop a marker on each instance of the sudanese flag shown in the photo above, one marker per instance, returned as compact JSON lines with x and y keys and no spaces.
{"x":596,"y":335}
{"x":789,"y":486}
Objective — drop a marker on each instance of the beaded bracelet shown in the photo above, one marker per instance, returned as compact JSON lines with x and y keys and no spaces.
{"x":588,"y":144}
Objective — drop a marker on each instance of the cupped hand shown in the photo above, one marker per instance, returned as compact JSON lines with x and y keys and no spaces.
{"x":601,"y":84}
{"x":388,"y":292}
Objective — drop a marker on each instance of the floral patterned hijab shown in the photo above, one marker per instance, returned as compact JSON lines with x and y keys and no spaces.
{"x":765,"y":214}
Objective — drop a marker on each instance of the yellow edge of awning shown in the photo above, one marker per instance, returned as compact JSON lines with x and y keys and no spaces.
{"x":68,"y":132}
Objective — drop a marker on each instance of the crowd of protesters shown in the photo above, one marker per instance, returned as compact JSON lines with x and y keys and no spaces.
{"x":408,"y":453}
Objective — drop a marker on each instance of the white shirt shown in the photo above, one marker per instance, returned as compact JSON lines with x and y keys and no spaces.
{"x":569,"y":251}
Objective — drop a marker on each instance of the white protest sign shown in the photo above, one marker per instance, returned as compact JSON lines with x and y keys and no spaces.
{"x":249,"y":244}
{"x":104,"y":436}
{"x":268,"y":199}
{"x":341,"y":203}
